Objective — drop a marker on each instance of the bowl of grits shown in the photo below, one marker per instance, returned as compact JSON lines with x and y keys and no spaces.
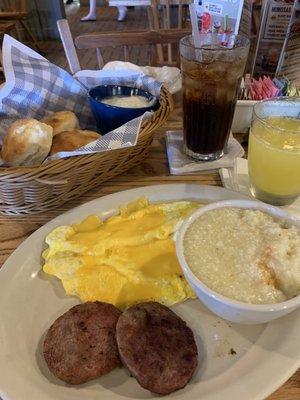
{"x":242,"y":259}
{"x":114,"y":105}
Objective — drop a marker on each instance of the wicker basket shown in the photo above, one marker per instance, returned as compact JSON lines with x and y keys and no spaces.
{"x":28,"y":190}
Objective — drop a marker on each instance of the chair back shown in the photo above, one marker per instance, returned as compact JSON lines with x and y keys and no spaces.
{"x":13,"y":5}
{"x":168,"y":14}
{"x":103,"y":40}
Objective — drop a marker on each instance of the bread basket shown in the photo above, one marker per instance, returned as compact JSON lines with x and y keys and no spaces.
{"x":28,"y":190}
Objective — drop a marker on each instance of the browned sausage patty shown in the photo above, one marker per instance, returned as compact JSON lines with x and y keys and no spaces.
{"x":157,"y":347}
{"x":81,"y":344}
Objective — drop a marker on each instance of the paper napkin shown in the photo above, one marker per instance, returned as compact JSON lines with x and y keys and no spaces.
{"x":180,"y":163}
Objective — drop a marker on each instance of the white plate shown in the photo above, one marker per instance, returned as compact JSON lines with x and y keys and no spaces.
{"x":266,"y":355}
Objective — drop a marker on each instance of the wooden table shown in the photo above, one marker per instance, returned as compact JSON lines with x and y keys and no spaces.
{"x":154,"y":170}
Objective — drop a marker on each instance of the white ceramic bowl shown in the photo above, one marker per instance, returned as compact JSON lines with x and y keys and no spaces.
{"x":225,"y":307}
{"x":242,"y":116}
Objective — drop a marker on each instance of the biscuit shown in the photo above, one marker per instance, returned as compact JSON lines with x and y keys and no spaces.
{"x":27,"y":143}
{"x":72,"y":140}
{"x":62,"y":121}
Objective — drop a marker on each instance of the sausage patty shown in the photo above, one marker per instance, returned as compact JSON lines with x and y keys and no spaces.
{"x":81,"y":344}
{"x":157,"y":347}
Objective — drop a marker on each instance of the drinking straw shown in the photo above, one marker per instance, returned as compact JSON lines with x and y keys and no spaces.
{"x":225,"y":23}
{"x":195,"y":28}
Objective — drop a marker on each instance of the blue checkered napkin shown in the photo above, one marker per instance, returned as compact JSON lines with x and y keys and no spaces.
{"x":36,"y":88}
{"x":119,"y":77}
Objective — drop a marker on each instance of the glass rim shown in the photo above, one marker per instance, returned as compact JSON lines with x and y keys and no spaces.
{"x":276,"y":99}
{"x":221,"y":48}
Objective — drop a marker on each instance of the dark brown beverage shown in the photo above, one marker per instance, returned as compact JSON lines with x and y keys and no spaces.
{"x":204,"y":132}
{"x":209,"y":96}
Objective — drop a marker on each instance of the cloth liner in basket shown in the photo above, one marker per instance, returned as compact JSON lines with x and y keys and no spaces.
{"x":35,"y":88}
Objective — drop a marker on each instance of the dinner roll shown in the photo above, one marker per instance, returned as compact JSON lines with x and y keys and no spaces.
{"x":62,"y":121}
{"x":27,"y":142}
{"x":72,"y":140}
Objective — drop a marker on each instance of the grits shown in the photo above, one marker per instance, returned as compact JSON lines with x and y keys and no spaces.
{"x":245,"y":255}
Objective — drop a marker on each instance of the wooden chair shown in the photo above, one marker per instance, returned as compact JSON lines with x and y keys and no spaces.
{"x":16,"y":10}
{"x":99,"y":41}
{"x":161,"y":15}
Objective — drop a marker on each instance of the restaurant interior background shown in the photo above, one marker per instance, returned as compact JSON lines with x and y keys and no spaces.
{"x":42,"y":16}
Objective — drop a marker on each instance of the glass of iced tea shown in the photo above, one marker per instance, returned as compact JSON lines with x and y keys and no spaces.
{"x":211,"y":77}
{"x":274,"y":151}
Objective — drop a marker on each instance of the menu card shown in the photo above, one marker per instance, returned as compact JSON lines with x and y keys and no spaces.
{"x":220,"y":16}
{"x":275,"y":20}
{"x":289,"y":62}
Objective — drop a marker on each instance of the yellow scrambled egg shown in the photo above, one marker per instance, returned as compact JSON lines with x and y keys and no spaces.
{"x":124,"y":260}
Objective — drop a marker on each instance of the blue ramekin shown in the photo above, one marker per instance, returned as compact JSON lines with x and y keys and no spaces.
{"x":110,"y":117}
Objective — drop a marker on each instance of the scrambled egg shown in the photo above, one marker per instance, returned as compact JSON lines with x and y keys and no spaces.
{"x":124,"y":260}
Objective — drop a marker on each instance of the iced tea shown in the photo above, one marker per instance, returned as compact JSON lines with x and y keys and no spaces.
{"x":211,"y":77}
